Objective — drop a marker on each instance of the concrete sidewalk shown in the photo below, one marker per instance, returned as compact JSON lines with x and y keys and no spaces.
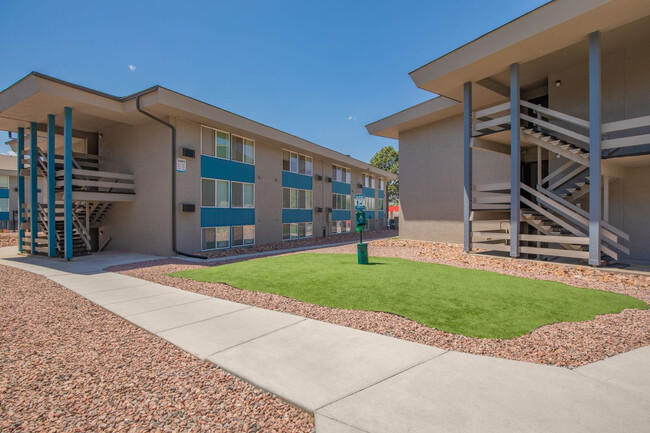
{"x":355,"y":381}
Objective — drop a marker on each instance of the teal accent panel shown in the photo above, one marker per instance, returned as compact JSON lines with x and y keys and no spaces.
{"x":340,"y":188}
{"x":341,"y":215}
{"x":33,"y":184}
{"x":380,"y":214}
{"x":368,"y":192}
{"x":370,"y":215}
{"x":296,"y":180}
{"x":67,"y":182}
{"x":217,"y":168}
{"x":4,"y":193}
{"x":51,"y":186}
{"x":4,"y":216}
{"x":380,"y":193}
{"x":21,"y":186}
{"x":297,"y":215}
{"x":215,"y":217}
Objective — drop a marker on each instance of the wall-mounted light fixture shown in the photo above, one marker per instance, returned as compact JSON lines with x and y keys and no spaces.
{"x":558,"y":83}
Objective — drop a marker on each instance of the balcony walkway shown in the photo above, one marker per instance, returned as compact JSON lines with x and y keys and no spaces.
{"x":355,"y":381}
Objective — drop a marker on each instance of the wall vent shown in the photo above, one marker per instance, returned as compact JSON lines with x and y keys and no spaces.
{"x":318,"y":177}
{"x":319,"y":209}
{"x":187,"y":207}
{"x":187,"y":152}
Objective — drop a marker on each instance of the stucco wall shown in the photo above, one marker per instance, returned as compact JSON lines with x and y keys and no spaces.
{"x":431,"y":180}
{"x":145,"y":224}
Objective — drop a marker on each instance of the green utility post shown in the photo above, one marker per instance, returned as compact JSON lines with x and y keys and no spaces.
{"x":362,"y":249}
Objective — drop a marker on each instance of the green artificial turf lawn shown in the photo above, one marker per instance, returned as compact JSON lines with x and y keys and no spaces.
{"x":461,"y":301}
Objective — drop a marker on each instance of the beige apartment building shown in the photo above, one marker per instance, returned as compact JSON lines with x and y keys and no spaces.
{"x":538,"y":144}
{"x":162,"y":173}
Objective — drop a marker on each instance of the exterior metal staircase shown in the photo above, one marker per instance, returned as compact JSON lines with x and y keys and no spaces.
{"x":94,"y":193}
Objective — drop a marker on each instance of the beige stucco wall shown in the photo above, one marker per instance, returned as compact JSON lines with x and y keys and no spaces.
{"x":143,"y":225}
{"x":431,"y":180}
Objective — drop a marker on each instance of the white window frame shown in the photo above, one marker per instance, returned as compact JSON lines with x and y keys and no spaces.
{"x":298,"y":155}
{"x":347,"y":200}
{"x":216,"y":193}
{"x":243,"y":152}
{"x":297,"y":190}
{"x":214,"y":145}
{"x":346,"y":174}
{"x":242,"y":195}
{"x":243,"y":226}
{"x":216,"y":238}
{"x":297,"y":225}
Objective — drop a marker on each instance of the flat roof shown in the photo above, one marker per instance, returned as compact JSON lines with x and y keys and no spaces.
{"x":36,"y":95}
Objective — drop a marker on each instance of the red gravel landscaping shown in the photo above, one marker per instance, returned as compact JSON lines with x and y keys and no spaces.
{"x":8,"y":240}
{"x":69,"y":365}
{"x":568,"y":344}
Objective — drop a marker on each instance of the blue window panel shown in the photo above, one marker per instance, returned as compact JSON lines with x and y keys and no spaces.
{"x":340,"y":188}
{"x":296,"y":180}
{"x":380,"y":214}
{"x":215,"y":217}
{"x":340,"y":215}
{"x":217,"y":168}
{"x":368,"y":192}
{"x":296,"y":215}
{"x":370,"y":215}
{"x":4,"y":193}
{"x":4,"y":216}
{"x":380,"y":193}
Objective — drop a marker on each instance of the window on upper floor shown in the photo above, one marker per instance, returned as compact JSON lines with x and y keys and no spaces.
{"x":215,"y":193}
{"x":242,"y":195}
{"x":243,"y":149}
{"x":381,"y":184}
{"x":215,"y":142}
{"x":340,"y":174}
{"x":368,"y":181}
{"x":297,"y":163}
{"x":293,"y":198}
{"x":4,"y":181}
{"x":341,"y":201}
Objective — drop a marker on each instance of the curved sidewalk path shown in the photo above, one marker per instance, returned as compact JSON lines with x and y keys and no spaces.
{"x":355,"y":381}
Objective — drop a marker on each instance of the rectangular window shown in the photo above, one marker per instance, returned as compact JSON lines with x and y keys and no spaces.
{"x":301,"y":164}
{"x":207,"y":141}
{"x":286,"y":198}
{"x":249,"y":151}
{"x":308,"y":165}
{"x":223,"y":237}
{"x":209,"y":239}
{"x":301,"y":198}
{"x":341,"y":201}
{"x":340,"y":174}
{"x":242,"y":194}
{"x":380,"y":205}
{"x":308,"y":199}
{"x":340,"y":227}
{"x":381,"y":184}
{"x":208,"y":192}
{"x":223,"y":145}
{"x":293,"y":166}
{"x":4,"y":205}
{"x":294,"y":198}
{"x":286,"y":156}
{"x":223,"y":194}
{"x":297,"y":231}
{"x":243,"y":235}
{"x":243,"y":149}
{"x":370,"y":203}
{"x":347,"y":176}
{"x":372,"y":181}
{"x":215,"y":142}
{"x":4,"y":181}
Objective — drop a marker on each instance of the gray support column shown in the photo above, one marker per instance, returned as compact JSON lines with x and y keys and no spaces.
{"x":21,"y":187}
{"x":51,"y":187}
{"x":595,"y":202}
{"x":67,"y":182}
{"x":33,"y":185}
{"x":467,"y":166}
{"x":515,"y":159}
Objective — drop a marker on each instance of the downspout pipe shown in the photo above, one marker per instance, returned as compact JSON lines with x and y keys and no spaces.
{"x":173,"y":129}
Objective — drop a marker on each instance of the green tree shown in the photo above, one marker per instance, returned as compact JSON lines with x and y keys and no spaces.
{"x":387,"y":158}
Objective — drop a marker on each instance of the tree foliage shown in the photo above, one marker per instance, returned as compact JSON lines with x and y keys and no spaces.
{"x":387,"y":158}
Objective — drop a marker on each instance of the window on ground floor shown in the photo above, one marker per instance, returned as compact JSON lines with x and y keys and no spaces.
{"x":340,"y":227}
{"x":297,"y":231}
{"x":215,"y":238}
{"x":243,"y":235}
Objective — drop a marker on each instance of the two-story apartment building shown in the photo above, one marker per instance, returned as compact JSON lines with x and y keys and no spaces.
{"x":162,"y":173}
{"x":538,"y":144}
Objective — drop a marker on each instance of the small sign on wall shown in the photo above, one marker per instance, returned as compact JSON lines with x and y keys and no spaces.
{"x":181,"y":165}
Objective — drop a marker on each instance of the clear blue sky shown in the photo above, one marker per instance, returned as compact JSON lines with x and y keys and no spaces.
{"x":320,"y":70}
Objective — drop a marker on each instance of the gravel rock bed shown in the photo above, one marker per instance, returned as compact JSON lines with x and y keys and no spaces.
{"x":8,"y":239}
{"x":69,"y":365}
{"x":566,"y":344}
{"x":299,"y":243}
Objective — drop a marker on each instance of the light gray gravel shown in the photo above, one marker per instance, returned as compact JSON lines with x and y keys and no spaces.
{"x":568,"y":344}
{"x":69,"y":365}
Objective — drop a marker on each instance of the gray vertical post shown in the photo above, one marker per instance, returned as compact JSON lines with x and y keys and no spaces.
{"x":51,"y":187}
{"x":21,"y":187}
{"x":67,"y":183}
{"x":33,"y":185}
{"x":467,"y":166}
{"x":515,"y":159}
{"x":595,"y":201}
